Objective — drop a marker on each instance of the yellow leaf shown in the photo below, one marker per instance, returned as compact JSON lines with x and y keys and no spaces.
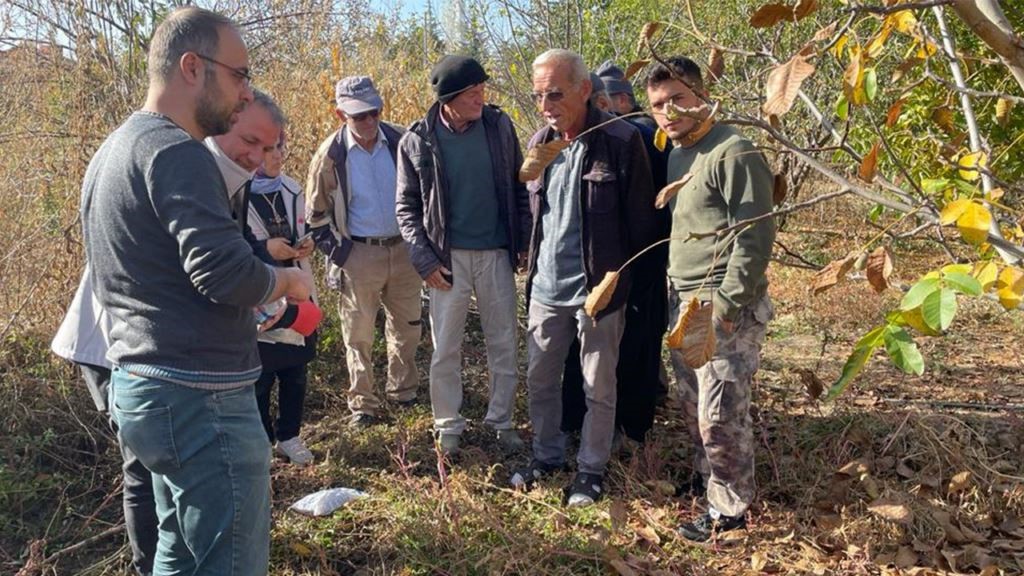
{"x":904,"y":20}
{"x":994,"y":194}
{"x":879,"y":268}
{"x":669,"y":191}
{"x":837,"y":48}
{"x":986,"y":273}
{"x":832,"y":274}
{"x":956,"y":269}
{"x":974,"y":222}
{"x":660,"y":139}
{"x":874,"y":48}
{"x":1010,"y":287}
{"x":601,"y":295}
{"x":915,"y":319}
{"x":675,"y":337}
{"x":784,"y":84}
{"x":869,"y":164}
{"x":853,"y":78}
{"x":1003,"y":107}
{"x":699,"y":339}
{"x":926,"y":49}
{"x":951,"y":212}
{"x":538,"y":158}
{"x":301,"y":549}
{"x":969,"y":163}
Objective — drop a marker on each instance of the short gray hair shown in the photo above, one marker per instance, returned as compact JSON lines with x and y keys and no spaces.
{"x":577,"y":69}
{"x":188,"y":29}
{"x":261,"y":98}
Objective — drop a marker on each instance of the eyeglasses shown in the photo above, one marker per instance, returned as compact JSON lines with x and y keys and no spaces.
{"x":554,"y":96}
{"x":243,"y":74}
{"x":364,"y":115}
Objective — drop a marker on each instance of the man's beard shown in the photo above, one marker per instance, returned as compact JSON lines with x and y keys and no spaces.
{"x":212,"y":116}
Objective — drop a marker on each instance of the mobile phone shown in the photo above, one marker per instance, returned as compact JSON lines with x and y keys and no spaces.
{"x":301,"y":239}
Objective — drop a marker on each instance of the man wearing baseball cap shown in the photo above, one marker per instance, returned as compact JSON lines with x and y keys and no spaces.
{"x":351,"y":209}
{"x":467,"y":220}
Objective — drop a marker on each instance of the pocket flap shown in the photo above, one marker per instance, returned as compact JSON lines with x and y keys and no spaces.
{"x":598,"y":176}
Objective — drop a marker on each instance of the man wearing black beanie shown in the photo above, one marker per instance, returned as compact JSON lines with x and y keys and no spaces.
{"x":466,"y":218}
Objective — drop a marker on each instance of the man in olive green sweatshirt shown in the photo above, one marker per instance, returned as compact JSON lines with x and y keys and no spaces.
{"x":731,"y":182}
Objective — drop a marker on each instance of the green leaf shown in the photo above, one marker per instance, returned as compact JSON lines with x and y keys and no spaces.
{"x":903,"y":351}
{"x":870,"y":84}
{"x":843,"y":108}
{"x":938,"y":309}
{"x":967,"y":188}
{"x":962,"y":283}
{"x":918,"y":292}
{"x":857,"y":360}
{"x":935,"y":185}
{"x":876,"y":212}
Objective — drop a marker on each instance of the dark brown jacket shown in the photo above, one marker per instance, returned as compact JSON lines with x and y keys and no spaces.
{"x":422,"y":203}
{"x":616,"y":197}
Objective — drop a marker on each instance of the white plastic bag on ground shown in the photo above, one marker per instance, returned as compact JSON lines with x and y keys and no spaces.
{"x":324,"y":502}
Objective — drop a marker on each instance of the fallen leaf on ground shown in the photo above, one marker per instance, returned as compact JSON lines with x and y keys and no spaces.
{"x":892,"y":510}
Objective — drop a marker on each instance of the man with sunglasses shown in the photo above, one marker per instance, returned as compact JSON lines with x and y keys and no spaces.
{"x":593,"y":209}
{"x":351,"y":209}
{"x":730,"y":182}
{"x":172,"y":268}
{"x":466,"y":218}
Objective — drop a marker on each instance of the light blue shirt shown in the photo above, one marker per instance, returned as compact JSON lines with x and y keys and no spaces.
{"x":560,"y":279}
{"x":372,"y":181}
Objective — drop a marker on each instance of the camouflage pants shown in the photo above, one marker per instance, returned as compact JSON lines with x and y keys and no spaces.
{"x":716,"y":407}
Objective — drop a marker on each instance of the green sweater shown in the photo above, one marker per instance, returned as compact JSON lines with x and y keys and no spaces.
{"x":731,"y":182}
{"x":473,"y":212}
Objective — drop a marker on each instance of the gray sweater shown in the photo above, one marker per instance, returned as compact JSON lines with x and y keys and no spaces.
{"x":168,"y":262}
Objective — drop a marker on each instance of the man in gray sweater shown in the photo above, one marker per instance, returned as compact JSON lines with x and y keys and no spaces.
{"x":175,"y":273}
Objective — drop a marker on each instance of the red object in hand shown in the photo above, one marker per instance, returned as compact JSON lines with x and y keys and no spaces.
{"x":308,"y":318}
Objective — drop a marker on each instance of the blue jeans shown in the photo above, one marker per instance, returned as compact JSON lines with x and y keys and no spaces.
{"x":210,"y":461}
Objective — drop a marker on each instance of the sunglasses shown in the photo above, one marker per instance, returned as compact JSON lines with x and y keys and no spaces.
{"x":243,"y":74}
{"x":554,"y":96}
{"x":364,"y":115}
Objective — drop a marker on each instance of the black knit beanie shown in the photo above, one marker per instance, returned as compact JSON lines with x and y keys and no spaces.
{"x":453,"y":74}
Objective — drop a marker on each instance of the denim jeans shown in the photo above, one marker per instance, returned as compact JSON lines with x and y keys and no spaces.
{"x":140,"y":521}
{"x":210,"y":461}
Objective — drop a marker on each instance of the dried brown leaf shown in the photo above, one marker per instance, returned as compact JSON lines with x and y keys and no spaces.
{"x":894,"y":113}
{"x":601,"y":295}
{"x":758,"y":561}
{"x":879,"y":268}
{"x":675,"y":337}
{"x":804,"y":8}
{"x":621,"y":567}
{"x":617,"y":511}
{"x":648,"y":32}
{"x":892,"y":510}
{"x":670,"y":190}
{"x":770,"y":15}
{"x":960,"y":482}
{"x":716,"y":65}
{"x":855,"y":468}
{"x":779,"y":189}
{"x":636,"y":66}
{"x":648,"y":533}
{"x":538,"y":158}
{"x":812,"y":384}
{"x":869,"y":164}
{"x":699,"y":340}
{"x":832,"y":274}
{"x":784,"y":84}
{"x":905,"y":557}
{"x":943,"y":117}
{"x":826,"y":32}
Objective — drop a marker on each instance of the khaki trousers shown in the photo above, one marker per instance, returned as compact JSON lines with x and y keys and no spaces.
{"x":488,"y":275}
{"x":375,"y":275}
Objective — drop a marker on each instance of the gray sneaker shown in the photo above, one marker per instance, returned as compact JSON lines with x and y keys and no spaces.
{"x":510,"y":440}
{"x":449,"y":444}
{"x":295,"y":450}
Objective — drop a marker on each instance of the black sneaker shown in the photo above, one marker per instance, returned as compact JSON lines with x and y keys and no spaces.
{"x":704,"y":528}
{"x":524,"y":478}
{"x":361,"y":420}
{"x":695,"y":488}
{"x":584,"y":490}
{"x":410,"y":403}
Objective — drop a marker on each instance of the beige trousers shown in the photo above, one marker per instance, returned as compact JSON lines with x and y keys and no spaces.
{"x":375,"y":275}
